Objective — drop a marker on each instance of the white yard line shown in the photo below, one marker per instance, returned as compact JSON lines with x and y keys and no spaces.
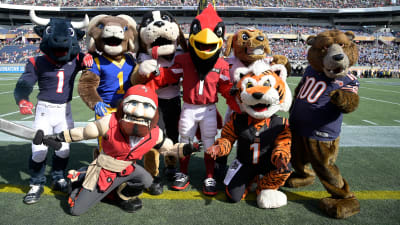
{"x":7,"y":114}
{"x":397,"y":92}
{"x":91,"y":119}
{"x":397,"y":121}
{"x":370,"y":122}
{"x":351,"y":136}
{"x":378,"y":100}
{"x":28,"y":117}
{"x":6,"y":92}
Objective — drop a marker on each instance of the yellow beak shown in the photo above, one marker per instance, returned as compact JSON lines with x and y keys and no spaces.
{"x":207,"y":41}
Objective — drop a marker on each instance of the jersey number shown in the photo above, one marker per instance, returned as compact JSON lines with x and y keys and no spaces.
{"x":60,"y":84}
{"x":311,"y":90}
{"x":255,"y":147}
{"x":121,"y":83}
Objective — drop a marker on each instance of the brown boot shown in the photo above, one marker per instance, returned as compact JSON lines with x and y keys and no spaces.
{"x":295,"y":181}
{"x":340,"y":208}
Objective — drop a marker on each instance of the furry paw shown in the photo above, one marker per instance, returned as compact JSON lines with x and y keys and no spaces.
{"x":269,"y":199}
{"x":346,"y":101}
{"x":147,"y":67}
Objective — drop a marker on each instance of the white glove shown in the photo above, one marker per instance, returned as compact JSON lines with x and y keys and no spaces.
{"x":147,"y":67}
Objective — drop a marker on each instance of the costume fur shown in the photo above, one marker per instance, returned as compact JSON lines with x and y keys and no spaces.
{"x":111,"y":37}
{"x":325,"y":92}
{"x":264,"y":138}
{"x":159,"y":38}
{"x":250,"y":45}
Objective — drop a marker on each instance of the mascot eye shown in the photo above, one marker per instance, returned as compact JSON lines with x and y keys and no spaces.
{"x":166,"y":17}
{"x":71,"y":32}
{"x":125,"y":28}
{"x":245,"y":36}
{"x":48,"y":30}
{"x":267,"y":83}
{"x":219,"y":32}
{"x":249,"y":85}
{"x":147,"y":21}
{"x":100,"y":26}
{"x":260,"y":38}
{"x":148,"y":106}
{"x":195,"y":28}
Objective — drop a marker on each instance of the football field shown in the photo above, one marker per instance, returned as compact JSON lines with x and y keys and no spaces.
{"x":368,"y":160}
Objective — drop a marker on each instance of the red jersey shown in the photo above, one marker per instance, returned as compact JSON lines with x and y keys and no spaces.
{"x":195,"y":91}
{"x":116,"y":145}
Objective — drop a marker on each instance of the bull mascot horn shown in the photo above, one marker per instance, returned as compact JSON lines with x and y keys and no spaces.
{"x":43,"y":22}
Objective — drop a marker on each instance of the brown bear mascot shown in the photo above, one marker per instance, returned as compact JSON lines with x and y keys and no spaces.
{"x":326,"y":91}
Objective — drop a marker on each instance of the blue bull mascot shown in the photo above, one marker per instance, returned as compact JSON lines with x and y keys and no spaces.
{"x":55,"y":72}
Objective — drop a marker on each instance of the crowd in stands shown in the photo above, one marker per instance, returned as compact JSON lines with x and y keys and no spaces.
{"x":375,"y":54}
{"x":219,"y":3}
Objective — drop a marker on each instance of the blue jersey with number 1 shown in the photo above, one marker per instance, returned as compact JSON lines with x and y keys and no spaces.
{"x":312,"y":114}
{"x":114,"y":77}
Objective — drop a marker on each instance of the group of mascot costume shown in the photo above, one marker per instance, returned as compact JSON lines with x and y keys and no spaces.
{"x":159,"y":38}
{"x":127,"y":112}
{"x":248,"y":45}
{"x":55,"y":72}
{"x":204,"y":73}
{"x":128,"y":134}
{"x":326,"y":91}
{"x":263,"y":138}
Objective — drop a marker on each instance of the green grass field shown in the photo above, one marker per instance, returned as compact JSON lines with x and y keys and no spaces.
{"x":368,"y":161}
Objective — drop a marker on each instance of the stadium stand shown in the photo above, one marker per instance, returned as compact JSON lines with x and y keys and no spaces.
{"x":379,"y":45}
{"x":221,"y":3}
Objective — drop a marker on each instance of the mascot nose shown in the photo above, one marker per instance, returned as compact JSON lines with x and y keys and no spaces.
{"x":159,"y":23}
{"x":257,"y":95}
{"x":60,"y":39}
{"x":338,"y":57}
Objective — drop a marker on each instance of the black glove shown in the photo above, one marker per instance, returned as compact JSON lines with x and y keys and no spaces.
{"x":54,"y":140}
{"x":190,"y":148}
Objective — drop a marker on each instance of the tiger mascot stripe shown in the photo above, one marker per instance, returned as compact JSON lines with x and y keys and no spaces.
{"x":263,"y":138}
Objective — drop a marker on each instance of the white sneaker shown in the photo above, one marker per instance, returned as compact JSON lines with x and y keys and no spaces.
{"x":33,"y":194}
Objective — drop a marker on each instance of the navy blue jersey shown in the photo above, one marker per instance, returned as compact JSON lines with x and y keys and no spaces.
{"x":56,"y":82}
{"x":312,"y":114}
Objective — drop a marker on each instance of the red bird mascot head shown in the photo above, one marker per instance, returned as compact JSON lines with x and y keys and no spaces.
{"x":205,"y":41}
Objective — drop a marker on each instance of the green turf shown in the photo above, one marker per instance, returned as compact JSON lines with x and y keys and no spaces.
{"x":365,"y":168}
{"x":377,"y":169}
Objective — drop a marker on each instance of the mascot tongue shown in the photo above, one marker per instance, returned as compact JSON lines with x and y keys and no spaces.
{"x":154,"y":52}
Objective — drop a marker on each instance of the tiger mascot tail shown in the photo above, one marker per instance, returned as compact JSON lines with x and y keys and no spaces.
{"x":263,"y":138}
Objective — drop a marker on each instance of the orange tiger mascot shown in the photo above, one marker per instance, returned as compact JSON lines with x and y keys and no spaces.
{"x":264,"y":139}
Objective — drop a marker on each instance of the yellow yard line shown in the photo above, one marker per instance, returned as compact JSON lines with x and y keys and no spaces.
{"x":196,"y":195}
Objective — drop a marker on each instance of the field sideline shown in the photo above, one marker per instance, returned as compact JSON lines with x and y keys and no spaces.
{"x":370,"y":135}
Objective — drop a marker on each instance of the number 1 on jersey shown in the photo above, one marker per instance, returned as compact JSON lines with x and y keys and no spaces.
{"x":255,"y":147}
{"x":60,"y":84}
{"x":121,"y":83}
